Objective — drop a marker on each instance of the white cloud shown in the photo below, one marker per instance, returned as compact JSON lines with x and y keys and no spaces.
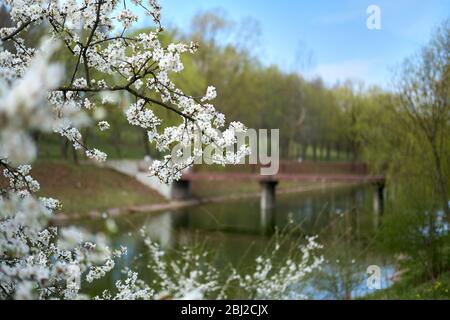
{"x":351,"y":69}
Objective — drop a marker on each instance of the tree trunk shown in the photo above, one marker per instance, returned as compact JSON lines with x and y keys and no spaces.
{"x":65,"y":149}
{"x":304,"y":150}
{"x":328,"y":152}
{"x":74,"y":156}
{"x":86,"y":136}
{"x":35,"y":135}
{"x":354,"y":154}
{"x":116,"y":144}
{"x":146,"y":142}
{"x":440,"y":182}
{"x":314,"y":151}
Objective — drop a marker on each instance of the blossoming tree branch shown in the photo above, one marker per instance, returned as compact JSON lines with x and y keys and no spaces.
{"x":37,"y":94}
{"x":96,"y":35}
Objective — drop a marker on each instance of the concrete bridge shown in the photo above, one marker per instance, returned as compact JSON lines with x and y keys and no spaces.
{"x":181,"y":189}
{"x":289,"y":171}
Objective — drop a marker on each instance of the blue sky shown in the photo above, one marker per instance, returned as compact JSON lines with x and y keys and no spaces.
{"x":334,"y":31}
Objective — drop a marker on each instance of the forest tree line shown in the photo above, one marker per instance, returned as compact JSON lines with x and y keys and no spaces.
{"x":316,"y":122}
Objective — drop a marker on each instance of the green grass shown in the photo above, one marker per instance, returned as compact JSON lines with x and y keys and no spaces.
{"x":84,"y":188}
{"x":49,"y":148}
{"x":411,"y":289}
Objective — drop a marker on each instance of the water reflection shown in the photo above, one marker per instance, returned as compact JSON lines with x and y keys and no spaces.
{"x":237,"y":232}
{"x":160,"y":229}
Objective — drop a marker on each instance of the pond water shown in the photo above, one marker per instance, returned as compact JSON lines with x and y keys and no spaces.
{"x":237,"y":232}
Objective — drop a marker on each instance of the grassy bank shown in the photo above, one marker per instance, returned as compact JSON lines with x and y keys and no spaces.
{"x":406,"y":288}
{"x":85,"y":187}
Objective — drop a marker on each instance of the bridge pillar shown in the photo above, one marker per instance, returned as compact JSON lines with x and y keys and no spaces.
{"x":268,"y":199}
{"x":378,"y":203}
{"x":267,"y":226}
{"x":180,"y":190}
{"x":268,"y":194}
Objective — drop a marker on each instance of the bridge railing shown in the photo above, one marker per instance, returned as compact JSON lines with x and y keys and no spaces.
{"x":293,"y":167}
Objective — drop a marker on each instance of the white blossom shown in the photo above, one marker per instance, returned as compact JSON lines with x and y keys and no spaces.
{"x":138,"y":115}
{"x":127,"y":18}
{"x":210,"y":94}
{"x":96,"y":154}
{"x":103,"y":125}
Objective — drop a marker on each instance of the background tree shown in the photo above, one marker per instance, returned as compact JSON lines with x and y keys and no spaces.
{"x":424,"y":94}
